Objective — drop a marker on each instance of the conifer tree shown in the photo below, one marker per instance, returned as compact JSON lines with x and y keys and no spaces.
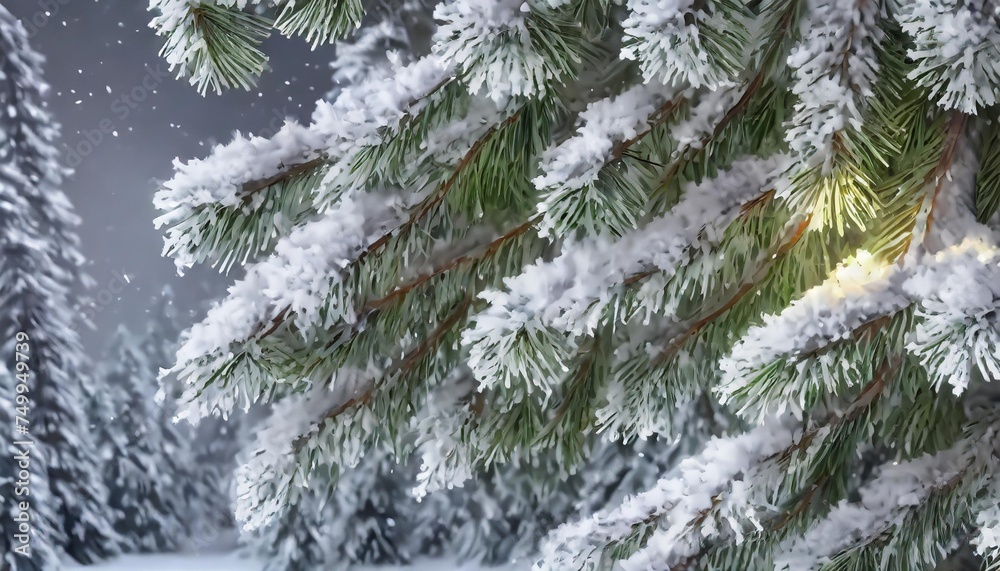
{"x":595,"y":217}
{"x":147,"y":505}
{"x":198,"y":462}
{"x":368,"y":519}
{"x":168,"y":484}
{"x":39,"y":266}
{"x":44,"y":540}
{"x":297,"y":541}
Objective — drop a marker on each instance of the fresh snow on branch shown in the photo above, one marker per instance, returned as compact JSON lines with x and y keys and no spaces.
{"x":885,"y":501}
{"x":490,"y":42}
{"x":834,"y":68}
{"x":338,"y":129}
{"x":272,"y":479}
{"x":956,"y":293}
{"x":860,"y":290}
{"x":958,"y":315}
{"x":957,"y":49}
{"x":704,"y":117}
{"x":575,"y":162}
{"x":358,"y":117}
{"x":219,"y":178}
{"x":445,"y":461}
{"x":297,"y":278}
{"x":987,"y":540}
{"x":570,"y":292}
{"x":954,"y":207}
{"x":360,"y":113}
{"x":672,"y":41}
{"x":562,"y":292}
{"x":687,"y":506}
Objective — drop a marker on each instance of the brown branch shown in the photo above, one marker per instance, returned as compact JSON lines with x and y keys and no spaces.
{"x":758,"y":202}
{"x":439,"y":85}
{"x":442,"y":191}
{"x":677,"y":342}
{"x":751,"y":90}
{"x":487,"y":251}
{"x":408,"y":363}
{"x":375,"y":305}
{"x":800,"y":507}
{"x":658,"y":118}
{"x":956,"y":126}
{"x":589,"y":355}
{"x":744,"y":210}
{"x":865,"y":332}
{"x":864,"y":399}
{"x":275,"y":322}
{"x":692,"y":560}
{"x":868,"y":395}
{"x":886,"y":532}
{"x":413,"y":219}
{"x":253,"y":186}
{"x":425,"y":346}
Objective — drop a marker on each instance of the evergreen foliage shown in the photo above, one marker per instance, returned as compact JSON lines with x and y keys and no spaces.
{"x":369,"y":519}
{"x":168,"y":482}
{"x":198,"y":462}
{"x":571,"y":220}
{"x":141,"y":458}
{"x":40,"y":265}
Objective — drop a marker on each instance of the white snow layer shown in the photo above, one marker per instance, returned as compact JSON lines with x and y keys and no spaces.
{"x":219,"y":178}
{"x":490,"y":42}
{"x":569,"y":292}
{"x":884,"y":502}
{"x":956,"y":293}
{"x":337,"y":132}
{"x":669,"y":49}
{"x":575,"y":162}
{"x":564,"y":292}
{"x":700,"y":484}
{"x":297,"y":278}
{"x":271,"y":479}
{"x":834,"y":68}
{"x":955,"y":50}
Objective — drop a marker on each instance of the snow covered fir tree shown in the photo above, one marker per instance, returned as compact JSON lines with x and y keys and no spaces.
{"x":567,"y":222}
{"x":44,"y":378}
{"x":90,"y":459}
{"x":167,"y":482}
{"x":139,"y":467}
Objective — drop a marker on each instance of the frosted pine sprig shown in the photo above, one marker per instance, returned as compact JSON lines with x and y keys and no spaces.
{"x":569,"y":293}
{"x":953,"y":295}
{"x":685,"y":507}
{"x":957,"y":316}
{"x":306,"y":261}
{"x":686,"y":43}
{"x":492,"y":42}
{"x":955,"y":45}
{"x":898,"y":490}
{"x":834,"y":67}
{"x":576,"y":162}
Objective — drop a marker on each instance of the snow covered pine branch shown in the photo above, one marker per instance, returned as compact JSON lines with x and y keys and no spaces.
{"x":562,"y":222}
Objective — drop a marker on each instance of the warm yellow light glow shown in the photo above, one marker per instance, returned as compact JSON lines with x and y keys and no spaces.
{"x":856,"y":271}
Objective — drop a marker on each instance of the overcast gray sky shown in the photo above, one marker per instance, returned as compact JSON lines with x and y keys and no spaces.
{"x":104,"y":70}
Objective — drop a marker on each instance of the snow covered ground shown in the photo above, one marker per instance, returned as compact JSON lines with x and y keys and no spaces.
{"x":234,"y":562}
{"x":178,"y":563}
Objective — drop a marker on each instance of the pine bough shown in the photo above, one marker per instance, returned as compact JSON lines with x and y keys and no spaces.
{"x":596,"y":217}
